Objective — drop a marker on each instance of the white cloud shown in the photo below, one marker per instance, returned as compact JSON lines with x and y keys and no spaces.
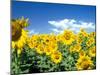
{"x":74,"y":25}
{"x":59,"y":24}
{"x":33,"y":32}
{"x":57,"y":30}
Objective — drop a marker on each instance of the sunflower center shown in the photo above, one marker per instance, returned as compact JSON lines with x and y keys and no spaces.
{"x":93,"y":51}
{"x":16,"y":32}
{"x":57,"y":57}
{"x":47,"y":40}
{"x":67,"y":36}
{"x":85,"y":65}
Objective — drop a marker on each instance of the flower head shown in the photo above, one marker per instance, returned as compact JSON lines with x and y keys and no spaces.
{"x":67,"y":37}
{"x":92,"y":51}
{"x":84,"y":63}
{"x":56,"y":57}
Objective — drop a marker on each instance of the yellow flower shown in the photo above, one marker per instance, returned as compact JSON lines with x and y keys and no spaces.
{"x":53,"y":45}
{"x":92,"y":51}
{"x":84,"y":63}
{"x":32,"y":42}
{"x":50,"y":47}
{"x":53,"y":38}
{"x":19,"y":35}
{"x":46,"y":39}
{"x":22,"y":22}
{"x":67,"y":37}
{"x":59,"y":39}
{"x":40,"y":49}
{"x":92,"y":34}
{"x":48,"y":50}
{"x":75,"y":37}
{"x":75,"y":48}
{"x":79,"y":39}
{"x":16,"y":31}
{"x":83,"y":33}
{"x":90,"y":41}
{"x":21,"y":41}
{"x":82,"y":53}
{"x":56,"y":57}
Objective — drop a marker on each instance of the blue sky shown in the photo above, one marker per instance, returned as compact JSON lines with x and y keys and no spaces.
{"x":51,"y":17}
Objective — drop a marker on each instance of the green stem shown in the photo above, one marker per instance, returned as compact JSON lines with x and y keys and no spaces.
{"x":17,"y":64}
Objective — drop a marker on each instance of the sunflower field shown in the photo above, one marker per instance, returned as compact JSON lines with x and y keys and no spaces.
{"x":41,"y":53}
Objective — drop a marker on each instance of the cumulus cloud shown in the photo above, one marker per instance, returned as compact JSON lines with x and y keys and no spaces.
{"x":33,"y":32}
{"x":74,"y":25}
{"x":56,"y":30}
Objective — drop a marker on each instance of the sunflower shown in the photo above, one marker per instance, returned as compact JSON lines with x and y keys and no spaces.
{"x":75,"y":48}
{"x":90,"y":41}
{"x":92,"y":34}
{"x":92,"y":51}
{"x":32,"y":42}
{"x":83,"y":33}
{"x":79,"y":39}
{"x":22,"y":22}
{"x":16,"y":31}
{"x":48,"y":50}
{"x":84,"y":63}
{"x":56,"y":57}
{"x":50,"y":47}
{"x":45,"y":38}
{"x":53,"y":45}
{"x":40,"y":49}
{"x":82,"y":53}
{"x":48,"y":39}
{"x":20,"y":42}
{"x":53,"y":38}
{"x":67,"y":37}
{"x":19,"y":35}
